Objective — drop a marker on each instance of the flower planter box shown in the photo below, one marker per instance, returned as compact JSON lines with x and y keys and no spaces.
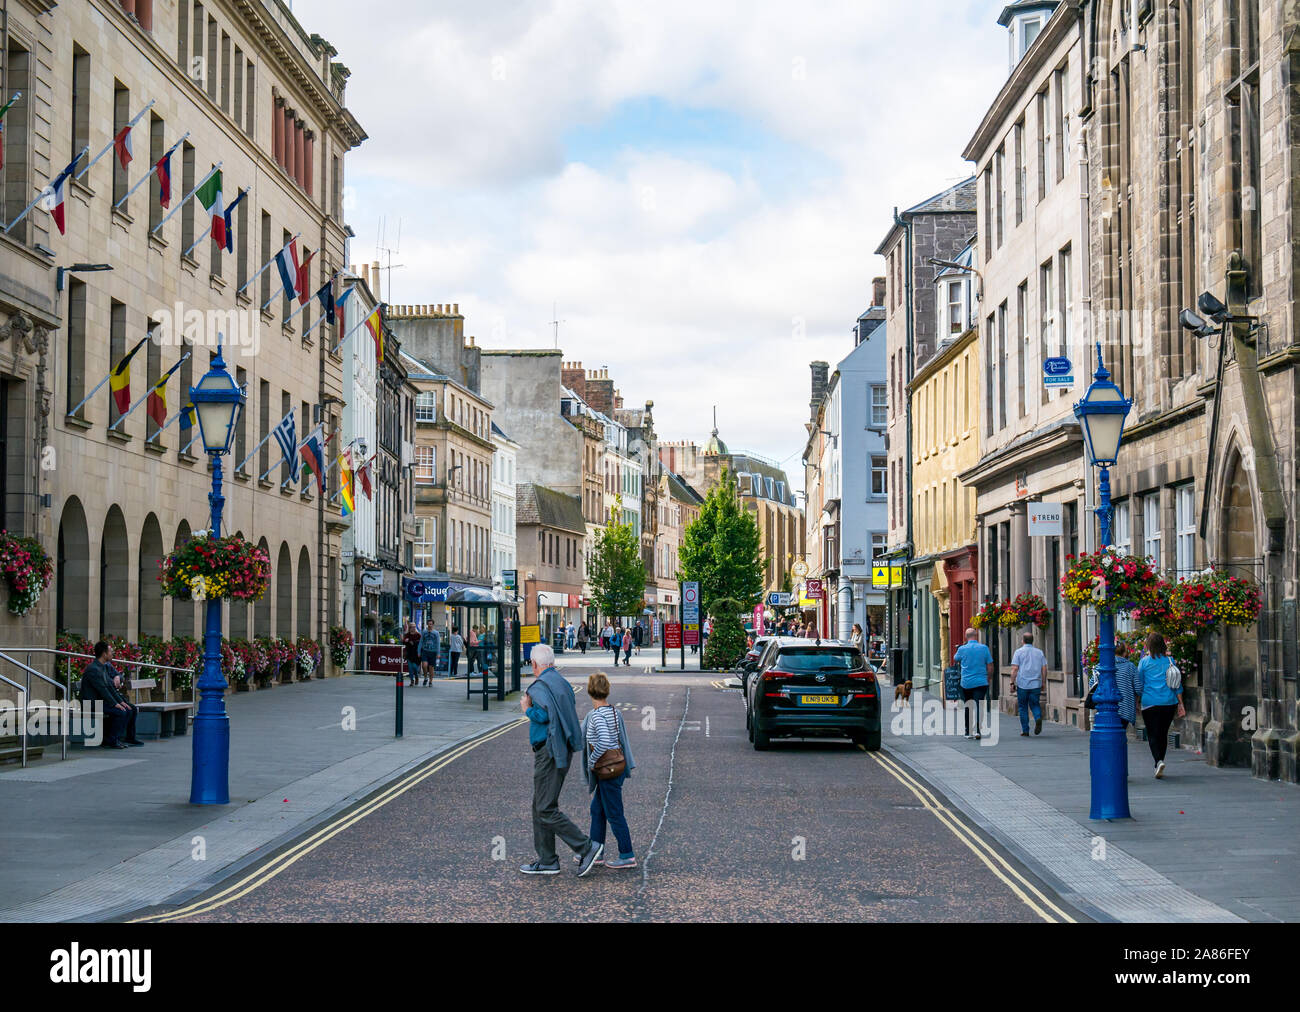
{"x":239,"y":686}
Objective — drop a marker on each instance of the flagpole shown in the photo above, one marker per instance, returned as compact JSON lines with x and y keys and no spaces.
{"x":189,"y":444}
{"x":361,"y":323}
{"x":92,"y":393}
{"x":263,"y":443}
{"x":113,"y":140}
{"x":152,"y":386}
{"x":262,"y":270}
{"x":209,"y":228}
{"x":281,"y":288}
{"x":186,"y":198}
{"x":40,"y":196}
{"x":343,"y":295}
{"x":354,"y":470}
{"x":152,"y":169}
{"x":321,"y":479}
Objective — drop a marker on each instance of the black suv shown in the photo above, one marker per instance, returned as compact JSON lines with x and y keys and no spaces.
{"x":813,"y":690}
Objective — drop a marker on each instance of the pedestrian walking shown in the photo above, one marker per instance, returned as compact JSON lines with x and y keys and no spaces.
{"x":1027,"y":665}
{"x":627,"y":649}
{"x":856,"y":637}
{"x":455,"y":647}
{"x":475,"y":662}
{"x":411,"y":652}
{"x":584,"y":634}
{"x":1126,"y":681}
{"x":571,"y":635}
{"x":976,"y":669}
{"x":1162,"y":698}
{"x":608,"y":765}
{"x":615,"y":642}
{"x":554,"y":733}
{"x":430,"y":647}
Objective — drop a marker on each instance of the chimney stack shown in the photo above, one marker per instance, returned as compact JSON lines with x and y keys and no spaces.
{"x":877,"y":291}
{"x":374,"y":273}
{"x":820,"y":379}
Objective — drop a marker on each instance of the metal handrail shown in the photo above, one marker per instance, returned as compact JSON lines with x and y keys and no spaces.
{"x":27,"y":695}
{"x":90,"y":657}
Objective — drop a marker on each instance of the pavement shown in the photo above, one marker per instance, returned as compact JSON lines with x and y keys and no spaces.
{"x":108,"y":831}
{"x":803,"y":832}
{"x":1203,"y":844}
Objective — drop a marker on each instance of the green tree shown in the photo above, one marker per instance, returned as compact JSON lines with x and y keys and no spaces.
{"x":720,"y":550}
{"x":616,"y":571}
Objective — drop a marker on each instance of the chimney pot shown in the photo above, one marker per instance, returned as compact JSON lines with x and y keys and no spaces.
{"x":455,"y":309}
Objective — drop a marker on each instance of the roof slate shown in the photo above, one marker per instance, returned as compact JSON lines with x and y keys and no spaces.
{"x":537,"y":505}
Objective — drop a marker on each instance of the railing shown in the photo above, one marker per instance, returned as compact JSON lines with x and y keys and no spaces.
{"x":25,"y":695}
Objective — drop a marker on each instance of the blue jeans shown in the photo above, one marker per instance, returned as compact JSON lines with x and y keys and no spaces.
{"x":607,"y":807}
{"x":1026,"y":700}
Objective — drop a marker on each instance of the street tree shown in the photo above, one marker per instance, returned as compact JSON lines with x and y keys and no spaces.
{"x":720,"y":550}
{"x":616,"y":571}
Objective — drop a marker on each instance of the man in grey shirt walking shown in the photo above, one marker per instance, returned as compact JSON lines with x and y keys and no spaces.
{"x":1027,"y":666}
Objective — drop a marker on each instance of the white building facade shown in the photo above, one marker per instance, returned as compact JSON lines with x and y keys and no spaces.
{"x":504,"y":554}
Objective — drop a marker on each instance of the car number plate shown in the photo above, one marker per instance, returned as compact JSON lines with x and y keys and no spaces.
{"x":820,"y":700}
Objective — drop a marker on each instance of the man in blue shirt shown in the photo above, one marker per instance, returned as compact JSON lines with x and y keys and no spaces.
{"x":1027,"y":666}
{"x":554,"y":734}
{"x":976,"y":669}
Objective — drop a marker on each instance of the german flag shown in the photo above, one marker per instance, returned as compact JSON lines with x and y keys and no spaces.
{"x":119,"y":380}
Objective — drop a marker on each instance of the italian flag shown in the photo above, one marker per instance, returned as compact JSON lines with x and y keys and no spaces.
{"x":209,"y":195}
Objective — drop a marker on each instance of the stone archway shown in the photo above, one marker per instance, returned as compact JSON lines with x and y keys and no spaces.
{"x":72,"y":571}
{"x":304,"y":594}
{"x":182,"y":611}
{"x":284,"y":594}
{"x":262,"y":606}
{"x":150,"y":620}
{"x":115,"y":577}
{"x":1235,"y":689}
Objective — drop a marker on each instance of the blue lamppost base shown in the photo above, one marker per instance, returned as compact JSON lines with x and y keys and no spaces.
{"x":1108,"y":760}
{"x":210,"y":777}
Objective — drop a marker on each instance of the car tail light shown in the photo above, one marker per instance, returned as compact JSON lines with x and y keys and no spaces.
{"x":865,"y":676}
{"x":772,"y":677}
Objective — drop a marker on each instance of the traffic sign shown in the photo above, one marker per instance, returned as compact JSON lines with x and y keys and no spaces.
{"x":673,"y":635}
{"x":779,"y":599}
{"x":691,"y":603}
{"x":691,"y":634}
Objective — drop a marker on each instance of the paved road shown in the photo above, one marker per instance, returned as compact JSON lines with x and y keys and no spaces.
{"x":803,"y":832}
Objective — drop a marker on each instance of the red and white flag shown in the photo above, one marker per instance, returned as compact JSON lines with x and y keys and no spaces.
{"x":122,"y":145}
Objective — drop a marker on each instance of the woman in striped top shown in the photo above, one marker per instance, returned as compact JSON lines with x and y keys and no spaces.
{"x":602,"y":730}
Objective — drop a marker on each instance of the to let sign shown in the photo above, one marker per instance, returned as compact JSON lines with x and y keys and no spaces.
{"x":1045,"y":520}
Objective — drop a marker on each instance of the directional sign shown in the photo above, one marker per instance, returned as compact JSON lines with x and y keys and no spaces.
{"x":779,"y":599}
{"x":1058,"y":372}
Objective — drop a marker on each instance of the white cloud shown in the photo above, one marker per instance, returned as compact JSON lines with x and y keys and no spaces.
{"x":682,"y":271}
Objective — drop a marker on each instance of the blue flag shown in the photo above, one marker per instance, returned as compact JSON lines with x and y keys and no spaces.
{"x":230,"y":227}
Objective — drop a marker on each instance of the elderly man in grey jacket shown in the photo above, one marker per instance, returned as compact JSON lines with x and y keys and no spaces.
{"x":554,"y":733}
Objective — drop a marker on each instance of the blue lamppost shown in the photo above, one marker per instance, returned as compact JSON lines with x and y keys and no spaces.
{"x":1101,"y":414}
{"x":217,"y":402}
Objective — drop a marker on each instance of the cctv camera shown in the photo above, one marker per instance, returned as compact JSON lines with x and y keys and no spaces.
{"x":1213,"y":308}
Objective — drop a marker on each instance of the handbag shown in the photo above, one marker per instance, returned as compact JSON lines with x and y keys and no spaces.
{"x":610,"y":763}
{"x":1173,"y":677}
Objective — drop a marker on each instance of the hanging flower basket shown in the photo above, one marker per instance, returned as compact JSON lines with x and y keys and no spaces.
{"x":340,"y":645}
{"x":1030,"y":609}
{"x":1195,"y":605}
{"x":990,"y":613}
{"x":1239,"y":601}
{"x":1113,"y":584}
{"x":27,"y":571}
{"x":216,"y":568}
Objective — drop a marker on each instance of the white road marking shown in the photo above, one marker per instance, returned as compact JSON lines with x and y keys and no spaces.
{"x":706,"y":727}
{"x":672,"y":760}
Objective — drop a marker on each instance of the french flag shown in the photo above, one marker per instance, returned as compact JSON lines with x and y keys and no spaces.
{"x":54,"y":194}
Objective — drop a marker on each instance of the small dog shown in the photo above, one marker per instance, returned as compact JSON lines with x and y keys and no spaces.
{"x":903,"y":692}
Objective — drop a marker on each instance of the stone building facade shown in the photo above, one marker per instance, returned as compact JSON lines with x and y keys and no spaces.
{"x":939,"y":227}
{"x":259,"y":95}
{"x":1189,"y":122}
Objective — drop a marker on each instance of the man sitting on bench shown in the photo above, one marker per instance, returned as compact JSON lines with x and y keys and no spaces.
{"x":97,"y":683}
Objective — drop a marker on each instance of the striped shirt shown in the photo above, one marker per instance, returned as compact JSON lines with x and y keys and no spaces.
{"x":602,"y":731}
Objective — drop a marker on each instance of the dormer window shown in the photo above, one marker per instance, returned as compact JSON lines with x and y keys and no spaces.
{"x":1024,"y":22}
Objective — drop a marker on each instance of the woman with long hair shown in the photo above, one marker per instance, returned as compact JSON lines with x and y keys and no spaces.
{"x":1161,"y":702}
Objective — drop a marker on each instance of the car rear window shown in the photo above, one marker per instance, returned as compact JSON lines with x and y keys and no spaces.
{"x":820,"y":659}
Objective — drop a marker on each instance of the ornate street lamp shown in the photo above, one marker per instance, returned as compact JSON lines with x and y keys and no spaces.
{"x":217,"y":401}
{"x":1101,"y":414}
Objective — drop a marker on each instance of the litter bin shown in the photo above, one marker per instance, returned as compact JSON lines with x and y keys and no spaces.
{"x":557,"y":642}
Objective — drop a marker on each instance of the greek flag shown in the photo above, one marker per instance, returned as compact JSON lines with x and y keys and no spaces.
{"x":287,"y":436}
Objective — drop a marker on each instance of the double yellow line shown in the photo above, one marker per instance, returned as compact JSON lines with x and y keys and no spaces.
{"x":1025,"y":891}
{"x":302,"y":848}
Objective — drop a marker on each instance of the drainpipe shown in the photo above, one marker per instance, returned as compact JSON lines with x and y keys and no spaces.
{"x":906,"y":224}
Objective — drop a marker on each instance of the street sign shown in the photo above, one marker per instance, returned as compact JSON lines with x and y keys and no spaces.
{"x":1057,"y":372}
{"x":530,"y":634}
{"x":691,"y":603}
{"x":779,"y":599}
{"x":673,"y":635}
{"x":816,"y":590}
{"x":691,"y":634}
{"x":1046,"y":520}
{"x":509,"y":580}
{"x":880,"y":576}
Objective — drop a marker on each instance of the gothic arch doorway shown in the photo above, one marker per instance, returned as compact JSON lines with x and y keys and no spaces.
{"x":1238,"y":555}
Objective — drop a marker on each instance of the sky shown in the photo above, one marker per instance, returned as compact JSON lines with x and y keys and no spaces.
{"x":695,"y":189}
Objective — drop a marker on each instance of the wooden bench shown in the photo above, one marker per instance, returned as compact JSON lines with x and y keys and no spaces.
{"x":159,"y":720}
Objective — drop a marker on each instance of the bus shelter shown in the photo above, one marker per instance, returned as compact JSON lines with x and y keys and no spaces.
{"x":496,"y":614}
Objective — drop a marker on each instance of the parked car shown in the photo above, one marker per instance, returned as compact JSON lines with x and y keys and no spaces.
{"x":754,"y":658}
{"x":805,"y":689}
